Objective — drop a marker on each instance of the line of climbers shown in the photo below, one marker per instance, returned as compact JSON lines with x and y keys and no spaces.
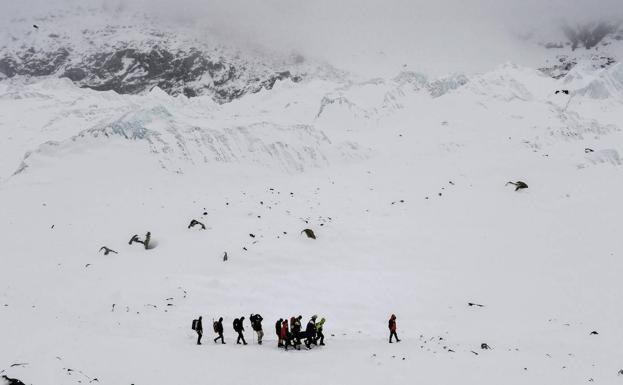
{"x":288,"y":334}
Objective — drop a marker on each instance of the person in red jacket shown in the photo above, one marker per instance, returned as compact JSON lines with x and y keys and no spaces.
{"x":392,"y":328}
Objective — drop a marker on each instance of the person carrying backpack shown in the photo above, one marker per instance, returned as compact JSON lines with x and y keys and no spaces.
{"x":198,"y":327}
{"x":285,"y":334}
{"x":319,"y":335}
{"x":310,"y":332}
{"x":392,"y":328}
{"x":218,"y":329}
{"x":278,"y":332}
{"x":239,"y":328}
{"x":296,"y":329}
{"x":256,"y":324}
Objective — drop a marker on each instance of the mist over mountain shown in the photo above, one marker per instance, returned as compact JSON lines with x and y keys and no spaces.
{"x":370,"y":37}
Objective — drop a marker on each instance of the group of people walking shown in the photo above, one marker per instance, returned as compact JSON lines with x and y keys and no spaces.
{"x":290,"y":333}
{"x":287,"y":336}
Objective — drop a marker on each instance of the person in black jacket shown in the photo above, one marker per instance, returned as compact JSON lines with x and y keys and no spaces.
{"x":296,"y":329}
{"x":310,"y":332}
{"x":199,"y":330}
{"x":256,"y":324}
{"x":278,"y":331}
{"x":239,"y":328}
{"x":218,"y":329}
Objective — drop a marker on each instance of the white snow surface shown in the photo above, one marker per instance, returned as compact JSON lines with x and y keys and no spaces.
{"x":404,"y":185}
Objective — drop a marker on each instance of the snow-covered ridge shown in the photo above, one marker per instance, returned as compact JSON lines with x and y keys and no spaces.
{"x":298,"y":126}
{"x":180,"y":133}
{"x":134,"y":53}
{"x":604,"y":84}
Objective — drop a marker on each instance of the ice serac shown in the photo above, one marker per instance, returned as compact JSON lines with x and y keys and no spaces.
{"x":176,"y":145}
{"x":606,"y":156}
{"x":604,"y":84}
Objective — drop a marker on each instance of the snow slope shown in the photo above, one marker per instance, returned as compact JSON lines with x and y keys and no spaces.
{"x":404,"y":186}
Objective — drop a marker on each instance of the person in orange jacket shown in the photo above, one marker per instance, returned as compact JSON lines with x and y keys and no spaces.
{"x":392,"y":328}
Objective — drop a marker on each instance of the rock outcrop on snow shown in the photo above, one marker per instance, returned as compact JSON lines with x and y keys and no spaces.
{"x":597,"y":44}
{"x":564,"y":63}
{"x":4,"y":380}
{"x":127,"y":70}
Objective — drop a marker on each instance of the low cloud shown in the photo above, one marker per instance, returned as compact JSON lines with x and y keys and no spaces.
{"x":432,"y":36}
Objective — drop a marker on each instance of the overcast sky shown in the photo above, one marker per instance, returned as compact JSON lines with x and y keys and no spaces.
{"x":420,"y":33}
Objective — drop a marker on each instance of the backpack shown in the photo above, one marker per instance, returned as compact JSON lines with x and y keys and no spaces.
{"x":195,"y":322}
{"x":255,"y":322}
{"x":215,"y":326}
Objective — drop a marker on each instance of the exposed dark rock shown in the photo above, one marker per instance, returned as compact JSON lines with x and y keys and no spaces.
{"x":519,"y":185}
{"x":128,"y":70}
{"x":107,"y":250}
{"x":475,"y":304}
{"x":565,"y":63}
{"x":8,"y":66}
{"x":11,"y":381}
{"x":195,"y":222}
{"x":74,"y":74}
{"x":36,"y":63}
{"x":309,"y":233}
